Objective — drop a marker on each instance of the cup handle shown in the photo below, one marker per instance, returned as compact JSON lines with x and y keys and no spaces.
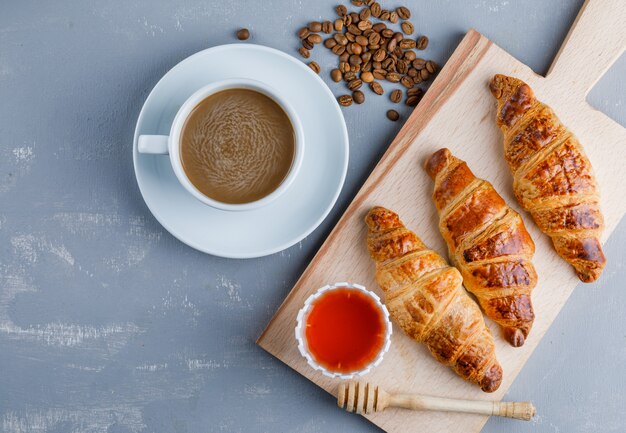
{"x":153,"y":144}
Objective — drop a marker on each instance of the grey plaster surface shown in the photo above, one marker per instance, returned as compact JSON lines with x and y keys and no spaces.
{"x":109,"y":324}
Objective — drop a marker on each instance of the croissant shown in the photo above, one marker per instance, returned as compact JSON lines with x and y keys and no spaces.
{"x":488,"y":243}
{"x":552,"y":177}
{"x":425,"y":298}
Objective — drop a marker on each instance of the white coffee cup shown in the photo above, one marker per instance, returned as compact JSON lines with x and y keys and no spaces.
{"x":170,"y":144}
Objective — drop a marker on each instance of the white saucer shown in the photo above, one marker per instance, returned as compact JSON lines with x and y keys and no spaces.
{"x":293,"y":215}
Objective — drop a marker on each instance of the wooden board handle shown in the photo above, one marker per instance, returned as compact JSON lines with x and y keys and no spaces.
{"x":517,"y":410}
{"x":595,"y":41}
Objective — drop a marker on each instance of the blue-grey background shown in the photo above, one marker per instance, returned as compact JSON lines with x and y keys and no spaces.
{"x":109,"y":324}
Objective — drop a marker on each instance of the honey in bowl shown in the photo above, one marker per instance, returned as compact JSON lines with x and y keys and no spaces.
{"x":345,"y":330}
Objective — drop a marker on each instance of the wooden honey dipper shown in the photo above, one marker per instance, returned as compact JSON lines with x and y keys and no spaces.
{"x":363,"y":398}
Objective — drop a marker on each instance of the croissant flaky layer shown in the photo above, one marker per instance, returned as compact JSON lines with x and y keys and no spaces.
{"x":552,"y":177}
{"x":426,"y":299}
{"x":488,"y":243}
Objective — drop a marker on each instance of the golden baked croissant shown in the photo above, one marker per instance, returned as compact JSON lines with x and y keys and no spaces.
{"x":425,"y":298}
{"x":488,"y":243}
{"x":552,"y":177}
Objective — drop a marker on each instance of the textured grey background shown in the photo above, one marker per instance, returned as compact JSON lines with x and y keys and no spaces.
{"x":109,"y":324}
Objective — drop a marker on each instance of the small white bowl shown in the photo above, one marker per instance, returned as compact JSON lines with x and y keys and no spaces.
{"x":301,"y":336}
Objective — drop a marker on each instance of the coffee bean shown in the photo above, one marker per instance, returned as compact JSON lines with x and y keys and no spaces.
{"x":330,"y":43}
{"x":387,"y":33}
{"x":418,"y":78}
{"x":376,"y":88}
{"x":315,"y":26}
{"x":384,"y":15}
{"x":336,"y":75}
{"x":338,"y":49}
{"x":377,"y":65}
{"x":393,"y":77}
{"x":389,"y":64}
{"x":304,"y":52}
{"x":350,"y":37}
{"x":393,"y":115}
{"x":431,"y":66}
{"x":355,"y":84}
{"x":412,"y":101}
{"x":361,"y":40}
{"x":391,"y":45}
{"x":345,"y":100}
{"x":354,"y":29}
{"x":344,"y":67}
{"x":415,"y":91}
{"x":373,"y":39}
{"x":424,"y":74}
{"x":412,"y":72}
{"x":341,"y":10}
{"x":393,"y":17}
{"x":365,"y":14}
{"x":306,"y":44}
{"x":406,"y":44}
{"x":379,"y":27}
{"x":379,"y":74}
{"x":315,"y":67}
{"x":364,"y":25}
{"x":422,"y":43}
{"x":407,"y":81}
{"x":358,"y":97}
{"x":398,"y":36}
{"x":379,"y":55}
{"x":303,"y":33}
{"x":367,"y":77}
{"x":403,"y":12}
{"x":356,"y":48}
{"x":343,"y":57}
{"x":366,"y":56}
{"x":409,"y":56}
{"x":349,"y":75}
{"x":347,"y":20}
{"x":314,"y":39}
{"x":327,"y":27}
{"x":402,"y":66}
{"x":375,"y":9}
{"x":407,"y":27}
{"x":357,"y":3}
{"x":355,"y":17}
{"x":341,"y":38}
{"x":243,"y":34}
{"x":355,"y":60}
{"x":419,"y":64}
{"x":395,"y":96}
{"x":369,"y":2}
{"x":367,"y":66}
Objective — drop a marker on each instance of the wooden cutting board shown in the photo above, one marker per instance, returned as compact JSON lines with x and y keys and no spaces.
{"x":458,"y":112}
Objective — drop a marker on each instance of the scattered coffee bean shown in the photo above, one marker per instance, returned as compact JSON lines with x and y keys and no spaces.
{"x":424,"y":74}
{"x":338,"y":49}
{"x":419,"y":64}
{"x":355,"y":84}
{"x":341,"y":38}
{"x":327,"y":27}
{"x":393,"y":115}
{"x":393,"y":77}
{"x":338,"y":24}
{"x":367,"y":77}
{"x":407,"y":82}
{"x":347,"y":20}
{"x":409,"y":56}
{"x":303,"y":33}
{"x":422,"y":43}
{"x":364,"y":25}
{"x":341,"y":10}
{"x":336,"y":75}
{"x":315,"y":67}
{"x":431,"y":66}
{"x":405,"y":44}
{"x":349,"y":75}
{"x":403,"y":12}
{"x":306,"y":44}
{"x":345,"y":100}
{"x":304,"y":52}
{"x":314,"y":39}
{"x":243,"y":34}
{"x":407,"y":27}
{"x":358,"y":97}
{"x":376,"y":88}
{"x":376,"y":9}
{"x":387,"y":33}
{"x":315,"y":26}
{"x":365,"y":14}
{"x":355,"y":17}
{"x":415,"y":91}
{"x":384,"y":15}
{"x":395,"y":96}
{"x":379,"y":27}
{"x":412,"y":101}
{"x":357,"y":3}
{"x":330,"y":43}
{"x":379,"y":74}
{"x":393,"y":17}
